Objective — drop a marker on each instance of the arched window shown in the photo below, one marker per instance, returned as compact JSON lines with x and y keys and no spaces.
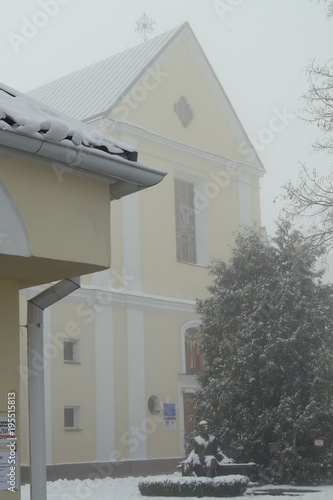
{"x":193,"y":356}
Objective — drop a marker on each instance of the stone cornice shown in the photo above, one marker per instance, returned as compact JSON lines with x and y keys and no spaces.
{"x":189,"y":152}
{"x":98,"y":298}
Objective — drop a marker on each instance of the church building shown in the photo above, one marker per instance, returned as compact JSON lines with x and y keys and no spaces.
{"x":122,"y":352}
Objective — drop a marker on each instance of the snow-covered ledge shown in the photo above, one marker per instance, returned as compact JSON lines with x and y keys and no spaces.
{"x":39,"y":131}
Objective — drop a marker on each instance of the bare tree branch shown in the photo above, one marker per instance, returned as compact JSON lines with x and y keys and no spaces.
{"x":312,"y":197}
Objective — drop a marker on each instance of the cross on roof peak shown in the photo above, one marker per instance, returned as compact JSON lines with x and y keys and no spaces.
{"x":144,"y":26}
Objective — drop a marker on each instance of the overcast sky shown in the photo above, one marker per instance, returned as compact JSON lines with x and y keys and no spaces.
{"x":258,"y":49}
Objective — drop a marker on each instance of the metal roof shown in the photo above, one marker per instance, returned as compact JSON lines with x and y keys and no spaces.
{"x":97,"y":89}
{"x":91,"y":91}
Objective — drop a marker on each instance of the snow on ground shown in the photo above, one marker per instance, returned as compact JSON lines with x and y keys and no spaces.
{"x":127,"y":488}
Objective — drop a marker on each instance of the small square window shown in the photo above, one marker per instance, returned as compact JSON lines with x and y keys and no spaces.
{"x":71,"y":351}
{"x":72,"y":417}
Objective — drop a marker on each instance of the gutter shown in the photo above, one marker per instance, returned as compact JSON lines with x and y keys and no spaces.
{"x":123,"y":176}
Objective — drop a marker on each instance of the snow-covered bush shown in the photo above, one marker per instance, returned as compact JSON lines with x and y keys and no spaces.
{"x":223,"y":486}
{"x":267,"y":341}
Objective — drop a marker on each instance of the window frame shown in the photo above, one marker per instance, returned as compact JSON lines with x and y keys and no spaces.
{"x":184,"y":328}
{"x":76,"y":351}
{"x":198,"y":356}
{"x":76,"y":418}
{"x":184,"y":209}
{"x":200,"y":218}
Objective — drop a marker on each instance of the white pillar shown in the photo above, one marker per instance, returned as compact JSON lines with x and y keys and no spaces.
{"x":136,"y":384}
{"x":48,"y":386}
{"x":245,"y":199}
{"x":104,"y":365}
{"x":131,"y":242}
{"x":36,"y":403}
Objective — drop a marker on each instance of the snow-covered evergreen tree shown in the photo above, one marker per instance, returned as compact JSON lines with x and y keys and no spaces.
{"x":267,"y":341}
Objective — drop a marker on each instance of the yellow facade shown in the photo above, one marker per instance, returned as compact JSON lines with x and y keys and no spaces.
{"x":9,"y":361}
{"x":133,"y":318}
{"x":61,"y":234}
{"x":54,"y":226}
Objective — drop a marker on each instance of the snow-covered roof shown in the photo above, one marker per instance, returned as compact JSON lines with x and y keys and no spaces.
{"x":89,"y":92}
{"x":25,"y":115}
{"x":29,"y":126}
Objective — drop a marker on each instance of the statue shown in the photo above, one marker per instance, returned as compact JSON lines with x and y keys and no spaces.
{"x":206,"y":455}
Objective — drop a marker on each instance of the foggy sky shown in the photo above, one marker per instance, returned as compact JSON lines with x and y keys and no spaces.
{"x":258,"y":49}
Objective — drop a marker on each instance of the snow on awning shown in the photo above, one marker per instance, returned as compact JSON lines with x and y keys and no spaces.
{"x":29,"y":126}
{"x":20,"y":113}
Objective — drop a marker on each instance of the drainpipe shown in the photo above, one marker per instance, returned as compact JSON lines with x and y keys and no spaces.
{"x":36,"y":390}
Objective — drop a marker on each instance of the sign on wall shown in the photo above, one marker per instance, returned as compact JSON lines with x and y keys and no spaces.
{"x":169,"y":416}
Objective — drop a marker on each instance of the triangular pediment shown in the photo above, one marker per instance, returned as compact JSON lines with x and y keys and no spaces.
{"x":165,"y":85}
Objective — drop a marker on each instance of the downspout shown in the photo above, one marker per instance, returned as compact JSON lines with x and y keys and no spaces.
{"x":36,"y":390}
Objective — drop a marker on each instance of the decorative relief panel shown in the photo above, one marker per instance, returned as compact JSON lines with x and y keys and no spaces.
{"x":184,"y":111}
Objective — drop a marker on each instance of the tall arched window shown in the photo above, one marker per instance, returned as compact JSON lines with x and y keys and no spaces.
{"x":193,"y":356}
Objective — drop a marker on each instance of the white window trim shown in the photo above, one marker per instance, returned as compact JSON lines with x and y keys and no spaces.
{"x":184,"y":389}
{"x":196,"y":323}
{"x":76,"y":351}
{"x":190,"y":384}
{"x":77,"y":418}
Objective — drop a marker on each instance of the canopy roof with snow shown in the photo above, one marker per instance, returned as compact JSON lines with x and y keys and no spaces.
{"x":31,"y":127}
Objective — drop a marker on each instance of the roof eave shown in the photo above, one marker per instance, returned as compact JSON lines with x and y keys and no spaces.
{"x":123,"y":176}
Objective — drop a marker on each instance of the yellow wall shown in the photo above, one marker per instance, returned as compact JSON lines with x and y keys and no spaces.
{"x":10,"y":361}
{"x":162,"y":369}
{"x":161,"y":273}
{"x":211,"y":130}
{"x":67,"y":218}
{"x":178,"y":75}
{"x":73,"y":384}
{"x":121,"y":383}
{"x":162,"y":366}
{"x":211,"y":140}
{"x":117,"y":270}
{"x":213,"y":152}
